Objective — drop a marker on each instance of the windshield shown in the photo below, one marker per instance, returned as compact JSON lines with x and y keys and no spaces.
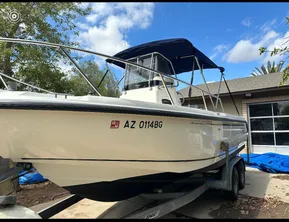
{"x":136,"y":77}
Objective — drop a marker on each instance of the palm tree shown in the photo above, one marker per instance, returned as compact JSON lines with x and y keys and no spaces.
{"x":270,"y":69}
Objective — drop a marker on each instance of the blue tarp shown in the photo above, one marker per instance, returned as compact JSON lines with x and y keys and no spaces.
{"x":268,"y":162}
{"x":31,"y":178}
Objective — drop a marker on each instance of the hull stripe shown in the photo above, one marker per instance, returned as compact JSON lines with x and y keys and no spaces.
{"x":108,"y":109}
{"x":123,"y":160}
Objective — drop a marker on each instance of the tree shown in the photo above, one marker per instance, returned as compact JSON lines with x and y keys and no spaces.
{"x":80,"y":87}
{"x":41,"y":21}
{"x":45,"y":76}
{"x":269,"y":69}
{"x":282,"y":51}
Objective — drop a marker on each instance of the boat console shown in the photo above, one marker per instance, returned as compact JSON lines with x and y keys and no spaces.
{"x":144,"y":85}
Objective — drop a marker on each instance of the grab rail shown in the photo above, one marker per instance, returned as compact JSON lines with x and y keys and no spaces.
{"x":57,"y":46}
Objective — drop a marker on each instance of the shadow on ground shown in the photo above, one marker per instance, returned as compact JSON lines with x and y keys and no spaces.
{"x":253,"y":202}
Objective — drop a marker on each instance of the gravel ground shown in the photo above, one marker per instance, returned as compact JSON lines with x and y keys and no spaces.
{"x":245,"y":207}
{"x":33,"y":194}
{"x":281,"y":177}
{"x":252,"y":207}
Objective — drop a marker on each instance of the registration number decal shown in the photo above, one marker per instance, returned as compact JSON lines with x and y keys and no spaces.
{"x":131,"y":124}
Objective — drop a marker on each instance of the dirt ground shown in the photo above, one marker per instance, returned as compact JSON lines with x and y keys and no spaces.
{"x":244,"y":208}
{"x":33,"y":194}
{"x":252,"y":207}
{"x":282,"y":177}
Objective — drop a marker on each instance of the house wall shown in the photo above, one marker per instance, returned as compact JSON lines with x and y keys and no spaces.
{"x":242,"y":103}
{"x":272,"y":98}
{"x":261,"y":96}
{"x":226,"y":101}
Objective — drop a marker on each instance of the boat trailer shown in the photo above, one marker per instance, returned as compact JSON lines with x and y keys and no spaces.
{"x":230,"y":178}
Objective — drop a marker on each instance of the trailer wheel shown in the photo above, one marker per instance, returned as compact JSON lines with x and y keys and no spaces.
{"x":241,"y":171}
{"x":233,"y":194}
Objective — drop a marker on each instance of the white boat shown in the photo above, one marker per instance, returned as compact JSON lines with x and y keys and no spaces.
{"x":110,"y":149}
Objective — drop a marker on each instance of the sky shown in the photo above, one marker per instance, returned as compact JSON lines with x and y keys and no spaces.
{"x":228,"y":33}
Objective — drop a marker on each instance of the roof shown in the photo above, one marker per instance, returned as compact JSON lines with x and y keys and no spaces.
{"x":239,"y":85}
{"x":172,"y":49}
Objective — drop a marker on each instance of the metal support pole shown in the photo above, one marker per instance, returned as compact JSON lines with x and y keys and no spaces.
{"x":248,"y":147}
{"x":167,"y":90}
{"x":231,"y":95}
{"x":222,"y":105}
{"x":78,"y":68}
{"x":16,"y":80}
{"x":102,"y":78}
{"x":203,"y":96}
{"x":4,"y":82}
{"x":192,"y":79}
{"x":202,"y":74}
{"x":120,"y":80}
{"x":248,"y":152}
{"x":126,"y":62}
{"x":218,"y":95}
{"x":151,"y":66}
{"x":228,"y":169}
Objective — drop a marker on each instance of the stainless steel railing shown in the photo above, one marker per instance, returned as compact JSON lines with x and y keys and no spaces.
{"x":63,"y":47}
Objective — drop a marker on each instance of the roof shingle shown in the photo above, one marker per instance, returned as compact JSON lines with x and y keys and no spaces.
{"x":239,"y":85}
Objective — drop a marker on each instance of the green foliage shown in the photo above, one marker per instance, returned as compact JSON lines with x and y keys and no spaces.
{"x":45,"y":76}
{"x":41,"y":21}
{"x":262,"y":50}
{"x":269,"y":69}
{"x":80,"y":87}
{"x":279,"y":51}
{"x":35,"y":16}
{"x":49,"y":22}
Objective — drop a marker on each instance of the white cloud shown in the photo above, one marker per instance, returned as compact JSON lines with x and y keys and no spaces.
{"x":106,"y":26}
{"x":99,"y":10}
{"x":82,"y":26}
{"x":82,"y":5}
{"x":22,"y":27}
{"x":247,"y":51}
{"x":65,"y":66}
{"x":106,"y":39}
{"x":267,"y":26}
{"x":91,"y":18}
{"x":278,"y":43}
{"x":218,"y":50}
{"x":246,"y":22}
{"x":284,"y":20}
{"x":140,"y":13}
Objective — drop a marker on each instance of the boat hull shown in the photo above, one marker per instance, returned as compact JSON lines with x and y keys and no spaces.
{"x":122,"y":189}
{"x":104,"y":155}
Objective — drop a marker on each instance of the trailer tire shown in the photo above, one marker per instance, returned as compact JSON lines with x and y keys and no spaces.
{"x":233,"y":194}
{"x":241,"y":171}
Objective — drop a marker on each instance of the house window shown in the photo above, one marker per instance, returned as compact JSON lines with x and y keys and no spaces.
{"x":269,"y":123}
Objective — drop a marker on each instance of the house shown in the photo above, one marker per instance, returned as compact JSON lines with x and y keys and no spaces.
{"x":260,"y":100}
